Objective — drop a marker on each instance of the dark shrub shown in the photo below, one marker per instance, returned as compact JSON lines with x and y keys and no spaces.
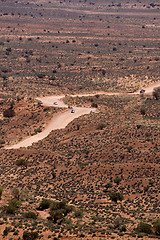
{"x":94,"y":105}
{"x":58,"y":210}
{"x":144,"y":228}
{"x":117,"y":180}
{"x":143,"y":111}
{"x":9,"y":113}
{"x":12,"y":206}
{"x":115,"y":196}
{"x":156,"y":226}
{"x":78,"y":213}
{"x":156,"y":93}
{"x":21,"y":162}
{"x":45,"y":204}
{"x":101,"y":126}
{"x":30,"y":215}
{"x":1,"y":190}
{"x":30,"y":235}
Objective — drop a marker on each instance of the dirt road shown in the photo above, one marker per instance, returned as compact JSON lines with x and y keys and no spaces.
{"x":61,"y":120}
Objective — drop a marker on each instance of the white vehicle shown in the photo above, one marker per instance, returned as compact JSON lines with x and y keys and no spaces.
{"x":92,"y":111}
{"x":72,"y":111}
{"x":55,"y":103}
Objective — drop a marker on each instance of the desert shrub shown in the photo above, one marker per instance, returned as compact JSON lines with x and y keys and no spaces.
{"x":45,"y":204}
{"x":139,"y":126}
{"x":117,"y":180}
{"x":156,"y":93}
{"x":78,"y":213}
{"x":144,"y":228}
{"x":30,"y":235}
{"x":21,"y":162}
{"x":123,"y":228}
{"x":40,"y":75}
{"x":108,"y":185}
{"x":6,"y":231}
{"x":115,"y":196}
{"x":103,"y":72}
{"x":56,"y":215}
{"x":95,"y":105}
{"x":58,"y":210}
{"x":143,"y":111}
{"x":2,"y":141}
{"x":1,"y":190}
{"x":30,"y":215}
{"x":156,"y":226}
{"x":9,"y":113}
{"x":46,"y":109}
{"x":38,"y":130}
{"x":16,"y":193}
{"x":53,"y":174}
{"x":12,"y":206}
{"x":101,"y":126}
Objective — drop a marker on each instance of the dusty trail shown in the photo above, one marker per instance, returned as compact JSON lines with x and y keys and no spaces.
{"x":61,"y":120}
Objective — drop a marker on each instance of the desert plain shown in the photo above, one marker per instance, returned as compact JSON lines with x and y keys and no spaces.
{"x":97,"y":176}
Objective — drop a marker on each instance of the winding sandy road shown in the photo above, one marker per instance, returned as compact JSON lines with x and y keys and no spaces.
{"x":61,"y":120}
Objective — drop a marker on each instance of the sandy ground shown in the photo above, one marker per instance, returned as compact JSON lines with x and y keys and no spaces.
{"x":61,"y":120}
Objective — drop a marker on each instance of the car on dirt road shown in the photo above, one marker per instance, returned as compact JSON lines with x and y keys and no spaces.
{"x":72,"y":111}
{"x":142,"y":90}
{"x":55,"y":103}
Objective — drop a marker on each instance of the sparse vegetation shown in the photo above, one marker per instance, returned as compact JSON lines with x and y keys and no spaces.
{"x":116,"y":196}
{"x":99,"y":159}
{"x":144,"y":228}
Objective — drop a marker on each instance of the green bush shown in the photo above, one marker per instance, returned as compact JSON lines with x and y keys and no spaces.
{"x":144,"y":228}
{"x":12,"y":206}
{"x":30,"y":235}
{"x":45,"y":204}
{"x":30,"y":215}
{"x":115,"y":196}
{"x":58,"y":210}
{"x":156,"y":226}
